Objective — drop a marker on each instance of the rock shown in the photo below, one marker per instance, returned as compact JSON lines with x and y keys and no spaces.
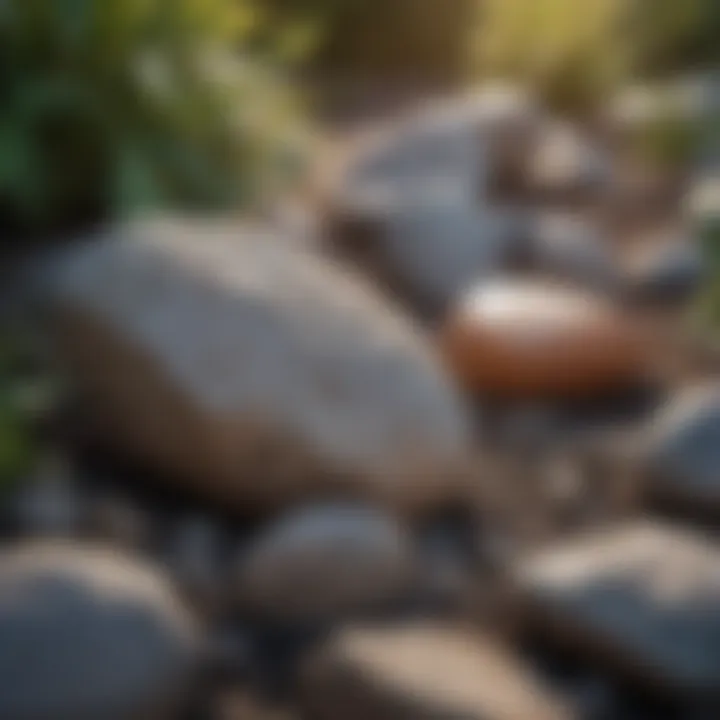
{"x":702,"y":205}
{"x":566,"y":165}
{"x":420,"y":196}
{"x":117,"y":519}
{"x":640,"y":599}
{"x":421,"y":671}
{"x":194,"y":559}
{"x":248,"y":368}
{"x":438,"y":251}
{"x":525,"y":339}
{"x":683,"y":452}
{"x":569,"y":246}
{"x":49,"y":505}
{"x":326,"y":561}
{"x":86,"y":633}
{"x":665,"y":271}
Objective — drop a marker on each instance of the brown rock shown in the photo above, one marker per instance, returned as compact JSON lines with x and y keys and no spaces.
{"x":526,"y":339}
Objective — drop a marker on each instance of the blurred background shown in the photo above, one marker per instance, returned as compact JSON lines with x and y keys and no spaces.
{"x":359,"y":359}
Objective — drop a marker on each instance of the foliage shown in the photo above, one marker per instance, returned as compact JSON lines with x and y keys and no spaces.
{"x":24,"y":395}
{"x":410,"y":39}
{"x":111,"y":105}
{"x":576,"y":54}
{"x":571,"y":55}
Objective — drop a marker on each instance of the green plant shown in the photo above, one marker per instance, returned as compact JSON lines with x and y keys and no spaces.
{"x":111,"y":105}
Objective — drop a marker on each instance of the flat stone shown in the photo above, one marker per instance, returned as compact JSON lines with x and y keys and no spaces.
{"x":422,"y":671}
{"x":326,"y":561}
{"x":641,"y":599}
{"x":87,"y":633}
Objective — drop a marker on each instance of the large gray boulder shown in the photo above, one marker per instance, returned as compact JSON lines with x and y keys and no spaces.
{"x":196,"y":343}
{"x":327,"y":561}
{"x":87,"y":633}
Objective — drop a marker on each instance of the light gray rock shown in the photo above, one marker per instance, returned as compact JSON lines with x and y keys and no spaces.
{"x":326,"y":561}
{"x":683,"y":449}
{"x":424,"y":186}
{"x":86,"y":633}
{"x":422,"y":671}
{"x":194,"y":342}
{"x":640,"y":599}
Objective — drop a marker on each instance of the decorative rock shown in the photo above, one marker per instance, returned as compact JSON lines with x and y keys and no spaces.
{"x":85,"y":633}
{"x":421,"y":672}
{"x":197,"y":342}
{"x":684,"y":449}
{"x":642,"y":599}
{"x":515,"y":338}
{"x":326,"y":561}
{"x":569,"y":246}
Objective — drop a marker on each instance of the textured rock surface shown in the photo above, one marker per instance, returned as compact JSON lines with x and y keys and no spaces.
{"x":422,"y":672}
{"x":192,"y":341}
{"x":529,"y":339}
{"x":642,"y":598}
{"x":85,"y":633}
{"x":327,"y":560}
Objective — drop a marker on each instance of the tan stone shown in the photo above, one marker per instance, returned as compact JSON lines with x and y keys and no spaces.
{"x":422,"y":673}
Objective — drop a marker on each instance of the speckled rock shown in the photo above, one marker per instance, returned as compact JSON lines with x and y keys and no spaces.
{"x":87,"y":633}
{"x":193,"y":342}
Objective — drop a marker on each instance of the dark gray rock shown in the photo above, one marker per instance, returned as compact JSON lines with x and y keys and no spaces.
{"x":642,"y":600}
{"x":326,"y":560}
{"x":86,"y":633}
{"x":683,"y":454}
